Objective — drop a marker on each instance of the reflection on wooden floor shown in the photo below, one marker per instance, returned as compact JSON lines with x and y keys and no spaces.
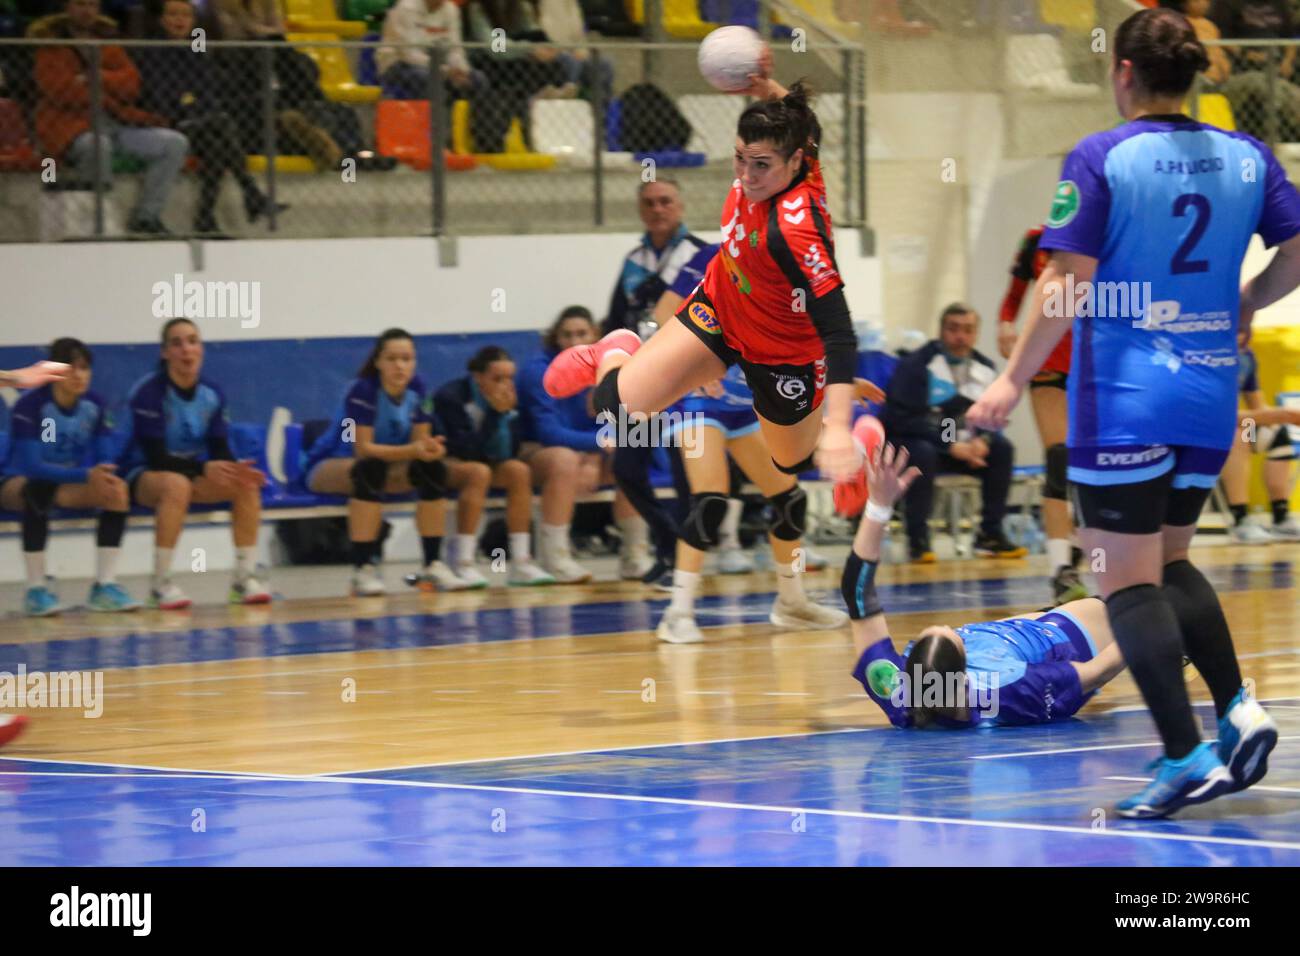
{"x":330,"y":686}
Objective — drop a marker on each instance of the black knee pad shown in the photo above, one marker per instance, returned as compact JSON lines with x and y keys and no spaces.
{"x":789,"y":515}
{"x":605,"y":398}
{"x":429,"y":478}
{"x":369,"y":475}
{"x":38,"y":497}
{"x":703,"y":523}
{"x":1057,"y":484}
{"x":799,"y":469}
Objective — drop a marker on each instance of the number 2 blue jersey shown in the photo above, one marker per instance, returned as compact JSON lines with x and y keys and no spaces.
{"x":1167,"y":206}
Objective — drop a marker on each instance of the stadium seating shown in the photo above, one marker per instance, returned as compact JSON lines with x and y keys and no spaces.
{"x":566,"y":130}
{"x":256,"y":163}
{"x":319,"y":16}
{"x":1213,"y":108}
{"x":402,"y":132}
{"x":713,"y":120}
{"x":336,"y":80}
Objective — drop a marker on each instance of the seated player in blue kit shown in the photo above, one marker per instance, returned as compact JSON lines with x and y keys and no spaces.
{"x":1029,"y":669}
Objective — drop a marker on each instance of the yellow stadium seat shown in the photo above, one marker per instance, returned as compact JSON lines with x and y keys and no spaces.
{"x":682,"y":20}
{"x":319,"y":16}
{"x":1214,"y":109}
{"x":1077,"y":15}
{"x":635,"y":11}
{"x":461,"y":144}
{"x":336,"y":80}
{"x":256,"y":163}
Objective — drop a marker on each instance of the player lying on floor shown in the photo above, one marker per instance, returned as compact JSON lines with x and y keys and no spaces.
{"x":1028,"y":669}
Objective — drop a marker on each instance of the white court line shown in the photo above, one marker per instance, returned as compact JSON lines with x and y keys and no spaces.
{"x":1077,"y":750}
{"x":816,"y":811}
{"x":718,"y":805}
{"x":1255,"y":787}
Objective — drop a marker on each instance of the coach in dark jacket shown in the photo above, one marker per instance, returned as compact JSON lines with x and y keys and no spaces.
{"x":925,"y":412}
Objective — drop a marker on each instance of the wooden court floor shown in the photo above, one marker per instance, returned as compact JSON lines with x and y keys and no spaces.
{"x":333,"y":685}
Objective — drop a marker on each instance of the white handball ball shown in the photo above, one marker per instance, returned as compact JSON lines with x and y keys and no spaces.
{"x":729,"y":56}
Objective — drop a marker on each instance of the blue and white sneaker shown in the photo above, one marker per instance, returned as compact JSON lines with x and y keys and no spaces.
{"x":1247,"y":735}
{"x":41,"y":601}
{"x":1196,"y":778}
{"x":111,"y":597}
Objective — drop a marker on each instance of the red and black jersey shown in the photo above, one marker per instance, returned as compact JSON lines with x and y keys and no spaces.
{"x":1030,"y":260}
{"x":1028,"y":266}
{"x":777,"y":256}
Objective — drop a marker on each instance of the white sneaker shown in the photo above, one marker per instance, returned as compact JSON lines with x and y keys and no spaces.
{"x":1288,"y":530}
{"x":634,"y":565}
{"x":168,"y":597}
{"x":678,"y":627}
{"x":565,"y":570}
{"x":368,"y":582}
{"x":471,"y":577}
{"x":735,"y":561}
{"x":527,"y":574}
{"x":249,"y":590}
{"x":1248,"y":533}
{"x":806,"y":616}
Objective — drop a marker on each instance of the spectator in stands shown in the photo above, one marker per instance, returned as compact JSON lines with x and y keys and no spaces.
{"x":179,"y":454}
{"x":480,"y":413}
{"x":182,"y":87}
{"x":1254,"y":95}
{"x":523,"y":69}
{"x":924,"y":412}
{"x":63,"y":112}
{"x":327,"y":132}
{"x":405,"y":70}
{"x":62,"y":454}
{"x":560,"y":443}
{"x":649,"y":270}
{"x":561,"y":21}
{"x":387,"y":440}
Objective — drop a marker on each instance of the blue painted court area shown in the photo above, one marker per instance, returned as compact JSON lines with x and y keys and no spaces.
{"x":1030,"y":797}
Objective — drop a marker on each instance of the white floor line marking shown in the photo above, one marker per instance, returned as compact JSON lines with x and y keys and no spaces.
{"x":1076,"y":750}
{"x":621,"y":692}
{"x":786,"y":693}
{"x":144,"y":766}
{"x":200,"y":693}
{"x":709,"y":804}
{"x":1251,"y":789}
{"x":817,"y":811}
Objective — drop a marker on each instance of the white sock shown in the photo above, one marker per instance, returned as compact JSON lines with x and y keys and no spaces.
{"x":635,"y":534}
{"x":462,"y":549}
{"x":729,"y":532}
{"x":556,"y":535}
{"x":1058,"y":549}
{"x":35,"y":561}
{"x":789,"y":586}
{"x":245,"y":561}
{"x":685,"y":585}
{"x":162,"y":563}
{"x":521,"y":547}
{"x":106,"y":564}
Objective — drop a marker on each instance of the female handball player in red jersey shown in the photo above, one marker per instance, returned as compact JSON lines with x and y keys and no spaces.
{"x":772,"y":300}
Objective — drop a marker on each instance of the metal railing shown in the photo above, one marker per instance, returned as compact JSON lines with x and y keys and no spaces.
{"x":322,"y":138}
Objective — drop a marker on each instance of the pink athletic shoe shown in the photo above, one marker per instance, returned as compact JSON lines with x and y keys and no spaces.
{"x":574,"y":369}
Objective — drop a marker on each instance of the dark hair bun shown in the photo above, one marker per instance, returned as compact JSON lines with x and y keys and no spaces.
{"x":1192,"y":53}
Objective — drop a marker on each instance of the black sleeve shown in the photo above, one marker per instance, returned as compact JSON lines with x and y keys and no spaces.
{"x":219,"y":449}
{"x":617,"y":317}
{"x":157,"y":458}
{"x":830,"y":316}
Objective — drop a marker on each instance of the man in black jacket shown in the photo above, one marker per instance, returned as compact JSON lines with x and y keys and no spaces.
{"x":925,"y":413}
